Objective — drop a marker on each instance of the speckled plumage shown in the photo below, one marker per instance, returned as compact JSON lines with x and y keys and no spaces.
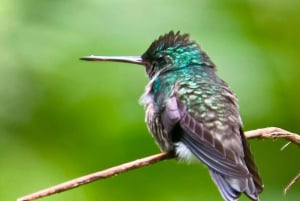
{"x":190,"y":110}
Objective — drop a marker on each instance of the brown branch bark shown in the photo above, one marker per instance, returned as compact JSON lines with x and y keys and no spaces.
{"x":264,"y":133}
{"x":273,"y":133}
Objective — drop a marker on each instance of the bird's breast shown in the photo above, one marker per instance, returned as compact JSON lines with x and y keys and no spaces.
{"x":153,"y":120}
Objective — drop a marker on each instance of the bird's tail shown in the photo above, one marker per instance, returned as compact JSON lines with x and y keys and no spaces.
{"x":231,"y":188}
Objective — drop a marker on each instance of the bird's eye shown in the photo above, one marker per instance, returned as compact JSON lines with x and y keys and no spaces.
{"x":163,"y":60}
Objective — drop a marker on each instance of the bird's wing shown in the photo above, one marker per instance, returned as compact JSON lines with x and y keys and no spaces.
{"x":209,"y":125}
{"x":211,"y":150}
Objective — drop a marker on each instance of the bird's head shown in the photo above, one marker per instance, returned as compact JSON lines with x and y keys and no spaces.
{"x":172,"y":50}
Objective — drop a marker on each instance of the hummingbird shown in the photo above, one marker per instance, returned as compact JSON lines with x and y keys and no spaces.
{"x":193,"y":113}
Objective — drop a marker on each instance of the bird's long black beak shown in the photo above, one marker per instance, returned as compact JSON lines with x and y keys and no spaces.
{"x":126,"y":59}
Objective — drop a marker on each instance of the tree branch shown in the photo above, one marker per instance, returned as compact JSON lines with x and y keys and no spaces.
{"x":273,"y":133}
{"x":98,"y":175}
{"x":264,"y":133}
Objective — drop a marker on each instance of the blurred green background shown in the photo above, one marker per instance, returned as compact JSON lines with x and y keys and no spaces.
{"x":61,"y":118}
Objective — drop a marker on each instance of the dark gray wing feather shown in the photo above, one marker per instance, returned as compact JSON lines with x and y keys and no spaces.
{"x":209,"y":150}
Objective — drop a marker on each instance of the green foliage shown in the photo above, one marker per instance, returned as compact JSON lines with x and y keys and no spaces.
{"x":61,"y":118}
